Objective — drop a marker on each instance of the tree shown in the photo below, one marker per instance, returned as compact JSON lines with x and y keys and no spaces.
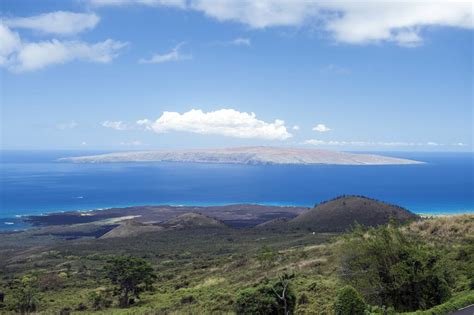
{"x":349,"y":302}
{"x":25,"y":294}
{"x":131,"y":276}
{"x":391,"y":269}
{"x":282,"y":291}
{"x":272,"y":297}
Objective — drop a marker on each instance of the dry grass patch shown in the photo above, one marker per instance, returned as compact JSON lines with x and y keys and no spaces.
{"x":447,"y":228}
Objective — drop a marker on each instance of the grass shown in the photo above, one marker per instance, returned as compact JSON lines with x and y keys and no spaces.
{"x":444,"y":228}
{"x":201,"y":271}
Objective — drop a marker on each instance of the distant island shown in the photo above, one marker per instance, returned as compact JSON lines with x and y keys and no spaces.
{"x":245,"y":155}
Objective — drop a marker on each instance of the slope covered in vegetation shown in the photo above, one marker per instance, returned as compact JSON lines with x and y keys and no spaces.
{"x":339,"y":214}
{"x":212,"y":268}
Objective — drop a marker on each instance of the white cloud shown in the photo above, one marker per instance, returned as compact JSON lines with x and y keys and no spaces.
{"x":353,"y":22}
{"x":144,"y":122}
{"x":240,"y":41}
{"x":318,"y":142}
{"x":321,"y":128}
{"x":296,"y":127}
{"x":20,"y":56}
{"x":173,"y":55}
{"x":170,"y":3}
{"x":117,"y":125}
{"x":34,"y":56}
{"x":258,"y":14}
{"x":400,"y":22}
{"x":10,"y":42}
{"x":134,"y":143}
{"x":226,"y":122}
{"x":67,"y":125}
{"x":59,"y":22}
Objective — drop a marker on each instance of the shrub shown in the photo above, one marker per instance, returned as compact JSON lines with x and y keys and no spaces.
{"x":266,"y":256}
{"x":25,"y":294}
{"x":50,"y":282}
{"x":349,"y":302}
{"x":275,"y":297}
{"x":99,"y":300}
{"x":303,"y":299}
{"x":454,"y":304}
{"x":131,"y":276}
{"x":188,"y":299}
{"x":258,"y":301}
{"x":81,"y":307}
{"x":390,"y":269}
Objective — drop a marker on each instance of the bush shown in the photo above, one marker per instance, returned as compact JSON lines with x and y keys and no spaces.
{"x":258,"y":301}
{"x":379,"y":310}
{"x":454,"y":304}
{"x":390,"y":269}
{"x":50,"y":282}
{"x":25,"y":294}
{"x":100,"y":300}
{"x":131,"y":276}
{"x":349,"y":302}
{"x":188,"y":299}
{"x":274,"y":297}
{"x":303,"y":299}
{"x":81,"y":307}
{"x":267,"y":256}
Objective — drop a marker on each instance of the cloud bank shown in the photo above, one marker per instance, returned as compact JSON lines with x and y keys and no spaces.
{"x":19,"y":55}
{"x":171,"y":3}
{"x":225,"y":122}
{"x":318,"y":142}
{"x":352,"y":22}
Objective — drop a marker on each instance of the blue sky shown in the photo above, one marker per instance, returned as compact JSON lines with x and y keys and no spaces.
{"x":146,"y":74}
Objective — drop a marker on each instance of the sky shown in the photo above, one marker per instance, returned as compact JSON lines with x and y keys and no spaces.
{"x":152,"y":74}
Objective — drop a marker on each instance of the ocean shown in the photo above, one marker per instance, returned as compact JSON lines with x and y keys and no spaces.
{"x":32,"y":182}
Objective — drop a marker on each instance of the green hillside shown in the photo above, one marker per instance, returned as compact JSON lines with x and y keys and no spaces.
{"x":207,"y":267}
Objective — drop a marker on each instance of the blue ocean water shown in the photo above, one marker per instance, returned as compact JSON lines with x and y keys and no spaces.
{"x":32,"y":182}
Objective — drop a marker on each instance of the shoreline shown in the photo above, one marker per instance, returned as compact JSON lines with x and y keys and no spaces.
{"x":77,"y":216}
{"x":219,"y":204}
{"x":212,"y":204}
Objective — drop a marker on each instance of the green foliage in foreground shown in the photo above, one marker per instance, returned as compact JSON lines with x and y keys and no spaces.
{"x":221,"y":271}
{"x":455,"y":303}
{"x":25,"y":294}
{"x":391,"y":269}
{"x":275,"y":297}
{"x":131,"y":276}
{"x":349,"y":302}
